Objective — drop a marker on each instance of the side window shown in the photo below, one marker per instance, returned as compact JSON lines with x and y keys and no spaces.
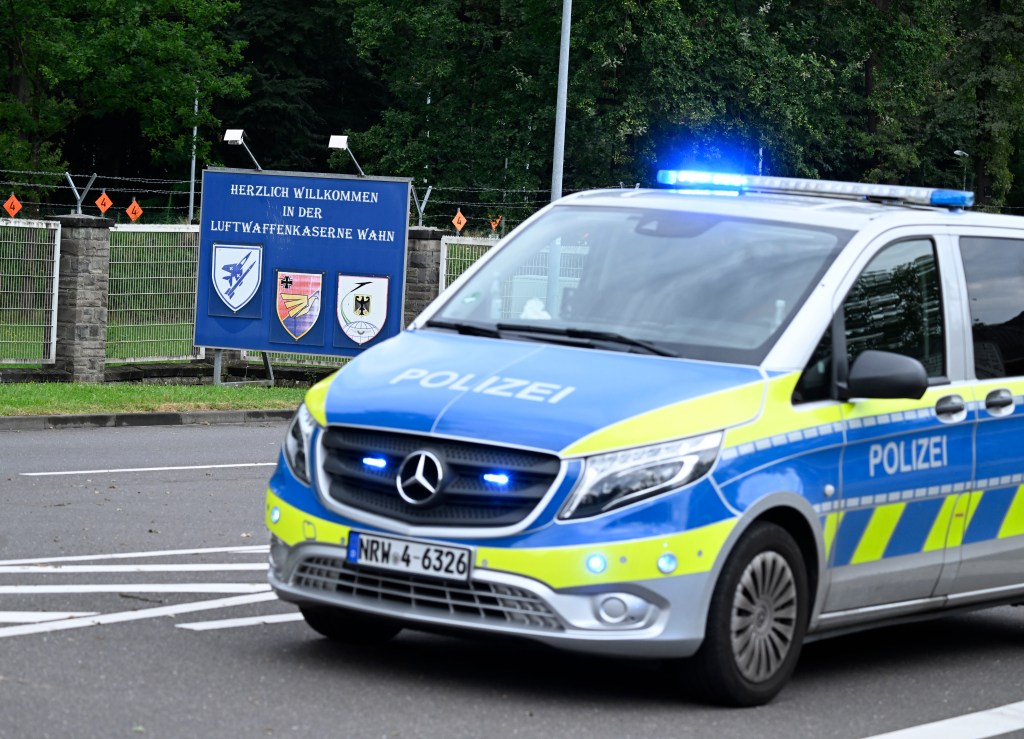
{"x":995,"y":289}
{"x":896,"y":306}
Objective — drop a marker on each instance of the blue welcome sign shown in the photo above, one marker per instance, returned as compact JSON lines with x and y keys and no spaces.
{"x":295,"y":262}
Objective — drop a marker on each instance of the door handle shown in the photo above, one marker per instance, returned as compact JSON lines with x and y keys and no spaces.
{"x":999,"y":399}
{"x":950,"y":405}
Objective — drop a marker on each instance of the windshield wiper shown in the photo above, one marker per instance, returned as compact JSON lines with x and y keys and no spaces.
{"x":648,"y":347}
{"x":467,"y":329}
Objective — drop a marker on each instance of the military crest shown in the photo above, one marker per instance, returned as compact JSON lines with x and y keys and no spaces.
{"x":298,"y":301}
{"x":362,"y":306}
{"x":237,"y":273}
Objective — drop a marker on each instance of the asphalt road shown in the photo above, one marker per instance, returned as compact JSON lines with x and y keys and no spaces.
{"x":166,"y":628}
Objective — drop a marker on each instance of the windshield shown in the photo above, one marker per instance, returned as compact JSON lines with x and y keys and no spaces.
{"x":667,"y":282}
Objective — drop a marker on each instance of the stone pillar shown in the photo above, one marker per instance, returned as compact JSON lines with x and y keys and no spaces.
{"x":82,"y":307}
{"x":422,"y":270}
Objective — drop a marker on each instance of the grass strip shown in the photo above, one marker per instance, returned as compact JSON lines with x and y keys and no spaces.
{"x":51,"y":399}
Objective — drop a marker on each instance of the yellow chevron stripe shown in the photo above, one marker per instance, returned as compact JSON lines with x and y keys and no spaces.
{"x":974,"y":500}
{"x":829,"y":529}
{"x":1013,"y":524}
{"x":878,"y":533}
{"x":963,"y":512}
{"x":940,"y":528}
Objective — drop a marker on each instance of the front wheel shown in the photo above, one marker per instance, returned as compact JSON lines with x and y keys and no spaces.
{"x":349,"y":627}
{"x":756,"y":621}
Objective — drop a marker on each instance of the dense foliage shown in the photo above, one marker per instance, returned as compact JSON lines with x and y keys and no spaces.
{"x":460,"y":94}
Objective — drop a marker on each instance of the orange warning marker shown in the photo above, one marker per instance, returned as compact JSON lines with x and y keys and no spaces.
{"x":134,"y":211}
{"x":103,"y":203}
{"x":459,"y":221}
{"x":495,"y":223}
{"x":12,"y":206}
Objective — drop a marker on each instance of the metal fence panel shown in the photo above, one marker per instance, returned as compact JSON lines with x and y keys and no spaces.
{"x":29,"y":275}
{"x":151,"y":309}
{"x":458,"y":253}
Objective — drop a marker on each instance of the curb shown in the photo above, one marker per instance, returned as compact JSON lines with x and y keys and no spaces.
{"x":123,"y":420}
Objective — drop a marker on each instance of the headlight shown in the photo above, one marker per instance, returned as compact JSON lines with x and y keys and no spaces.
{"x":296,"y":443}
{"x":613,"y":480}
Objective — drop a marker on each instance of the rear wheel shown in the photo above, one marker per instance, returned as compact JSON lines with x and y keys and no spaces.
{"x":756,"y":622}
{"x":349,"y":627}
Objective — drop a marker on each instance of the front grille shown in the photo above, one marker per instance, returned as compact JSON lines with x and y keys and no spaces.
{"x":465,"y":499}
{"x":488,"y":602}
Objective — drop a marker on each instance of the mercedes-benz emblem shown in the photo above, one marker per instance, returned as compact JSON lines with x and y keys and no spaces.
{"x":419,"y":478}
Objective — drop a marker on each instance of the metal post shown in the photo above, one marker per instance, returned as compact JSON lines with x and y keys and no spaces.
{"x":420,"y":207}
{"x":192,"y":178}
{"x":268,"y":368}
{"x":563,"y":89}
{"x":79,"y":198}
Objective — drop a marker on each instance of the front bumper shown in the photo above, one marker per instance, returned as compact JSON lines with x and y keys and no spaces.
{"x":540,"y":594}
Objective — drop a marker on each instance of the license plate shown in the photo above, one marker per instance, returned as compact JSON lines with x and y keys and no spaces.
{"x":402,"y":555}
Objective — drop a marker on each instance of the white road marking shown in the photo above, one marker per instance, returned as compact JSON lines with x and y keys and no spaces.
{"x":147,"y":469}
{"x":121,"y":616}
{"x":50,"y":569}
{"x":994,"y":722}
{"x":206,"y":587}
{"x":231,"y":623}
{"x":258,"y":549}
{"x":35,"y":617}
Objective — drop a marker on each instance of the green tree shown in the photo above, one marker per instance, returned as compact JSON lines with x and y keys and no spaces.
{"x":305,"y":82}
{"x":90,"y":71}
{"x":986,"y":70}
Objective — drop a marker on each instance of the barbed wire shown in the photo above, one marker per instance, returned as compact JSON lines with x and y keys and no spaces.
{"x":86,"y":176}
{"x":478,"y":204}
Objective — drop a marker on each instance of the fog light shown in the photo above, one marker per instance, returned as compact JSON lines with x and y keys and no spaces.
{"x":667,"y":563}
{"x":612,"y":610}
{"x":622,"y":610}
{"x":275,"y":514}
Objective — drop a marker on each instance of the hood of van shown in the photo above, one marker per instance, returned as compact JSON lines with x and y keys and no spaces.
{"x":561,"y":399}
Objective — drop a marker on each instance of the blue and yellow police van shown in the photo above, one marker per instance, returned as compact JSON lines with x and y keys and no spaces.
{"x":700,"y":424}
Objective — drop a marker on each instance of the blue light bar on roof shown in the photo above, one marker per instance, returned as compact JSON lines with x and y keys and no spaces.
{"x":691,"y":179}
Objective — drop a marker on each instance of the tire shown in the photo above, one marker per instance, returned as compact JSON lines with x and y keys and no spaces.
{"x":349,"y":627}
{"x":756,"y":621}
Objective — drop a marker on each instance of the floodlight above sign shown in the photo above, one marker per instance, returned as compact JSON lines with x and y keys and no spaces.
{"x":341,"y":142}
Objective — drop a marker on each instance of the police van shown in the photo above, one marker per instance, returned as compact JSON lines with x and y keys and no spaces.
{"x":700,"y":424}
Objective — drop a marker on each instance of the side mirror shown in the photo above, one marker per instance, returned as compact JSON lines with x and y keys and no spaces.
{"x":876,"y":374}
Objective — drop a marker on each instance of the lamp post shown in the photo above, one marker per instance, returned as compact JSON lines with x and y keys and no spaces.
{"x":192,"y":173}
{"x":341,"y":142}
{"x":560,"y":101}
{"x":236,"y":137}
{"x":963,"y":156}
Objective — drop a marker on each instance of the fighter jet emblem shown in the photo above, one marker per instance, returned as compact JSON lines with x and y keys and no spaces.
{"x":237,"y":273}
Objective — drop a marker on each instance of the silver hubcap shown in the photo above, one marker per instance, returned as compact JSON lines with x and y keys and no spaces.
{"x":763,"y":616}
